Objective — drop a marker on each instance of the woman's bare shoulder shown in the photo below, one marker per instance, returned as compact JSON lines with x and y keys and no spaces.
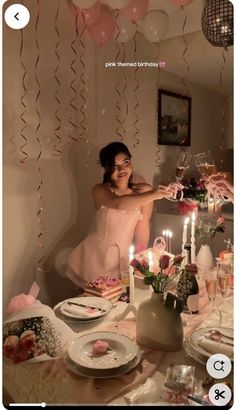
{"x":142,"y":187}
{"x":100,"y":187}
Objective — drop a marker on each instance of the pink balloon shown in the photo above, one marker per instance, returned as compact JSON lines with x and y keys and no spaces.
{"x":182,"y":3}
{"x":104,"y":29}
{"x":92,"y":14}
{"x":135,"y":10}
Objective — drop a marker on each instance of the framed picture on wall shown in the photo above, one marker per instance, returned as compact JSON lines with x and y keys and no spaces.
{"x":174,"y":119}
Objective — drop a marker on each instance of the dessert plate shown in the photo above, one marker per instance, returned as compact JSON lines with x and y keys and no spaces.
{"x":215,"y":347}
{"x":104,"y":374}
{"x":85,"y":307}
{"x":122,"y":350}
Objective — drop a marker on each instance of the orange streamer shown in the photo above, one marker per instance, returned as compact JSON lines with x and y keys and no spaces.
{"x":39,"y":188}
{"x":136,"y":106}
{"x":73,"y":67}
{"x":57,"y":147}
{"x":22,"y":147}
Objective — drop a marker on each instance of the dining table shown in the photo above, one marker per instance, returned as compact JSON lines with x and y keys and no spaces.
{"x":52,"y":382}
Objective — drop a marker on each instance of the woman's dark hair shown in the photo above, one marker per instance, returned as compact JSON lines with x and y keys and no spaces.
{"x":107,"y":159}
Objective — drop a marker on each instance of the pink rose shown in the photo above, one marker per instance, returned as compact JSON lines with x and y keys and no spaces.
{"x":164,"y":261}
{"x":136,"y":265}
{"x":100,"y":347}
{"x":220,"y":220}
{"x":178,"y":259}
{"x":191,"y":267}
{"x":11,"y":345}
{"x":28,"y":340}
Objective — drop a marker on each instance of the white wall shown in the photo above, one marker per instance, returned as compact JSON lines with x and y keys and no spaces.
{"x":67,"y":213}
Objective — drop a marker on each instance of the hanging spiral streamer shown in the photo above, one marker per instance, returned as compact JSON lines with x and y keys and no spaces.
{"x":222,"y":126}
{"x":185,"y":92}
{"x":22,"y":147}
{"x":83,"y":94}
{"x":39,"y":188}
{"x":74,"y":70}
{"x":57,"y":147}
{"x":136,"y":106}
{"x":124,"y":92}
{"x":117,"y":87}
{"x":158,"y":149}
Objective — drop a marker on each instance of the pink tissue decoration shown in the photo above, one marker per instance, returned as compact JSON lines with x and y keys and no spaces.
{"x":19,"y":302}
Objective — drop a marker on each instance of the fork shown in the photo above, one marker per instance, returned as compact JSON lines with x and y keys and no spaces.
{"x":86,"y":306}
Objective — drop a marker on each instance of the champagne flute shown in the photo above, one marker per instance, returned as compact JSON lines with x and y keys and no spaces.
{"x":182,"y":164}
{"x":211,"y":286}
{"x":205,"y":164}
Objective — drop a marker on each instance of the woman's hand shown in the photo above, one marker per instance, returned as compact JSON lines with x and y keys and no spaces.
{"x":219,"y":184}
{"x":168,"y":191}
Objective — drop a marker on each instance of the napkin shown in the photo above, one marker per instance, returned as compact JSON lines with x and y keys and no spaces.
{"x":215,"y":347}
{"x":80,"y":311}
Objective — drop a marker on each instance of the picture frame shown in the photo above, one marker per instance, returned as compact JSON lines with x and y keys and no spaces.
{"x":174,"y":119}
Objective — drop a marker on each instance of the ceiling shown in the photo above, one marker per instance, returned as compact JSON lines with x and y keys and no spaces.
{"x":205,"y":60}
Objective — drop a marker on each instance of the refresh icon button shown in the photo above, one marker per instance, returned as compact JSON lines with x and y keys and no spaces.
{"x":219,"y":365}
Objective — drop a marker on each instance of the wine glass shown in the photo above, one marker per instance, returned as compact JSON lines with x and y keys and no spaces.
{"x":205,"y":164}
{"x":211,"y":286}
{"x":182,"y":164}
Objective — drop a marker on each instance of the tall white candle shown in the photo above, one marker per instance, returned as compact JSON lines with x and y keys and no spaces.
{"x":185,"y":237}
{"x":170,"y":236}
{"x":131,"y":276}
{"x":211,"y":206}
{"x":167,"y":240}
{"x":193,"y":246}
{"x":164,"y":236}
{"x":150,"y":261}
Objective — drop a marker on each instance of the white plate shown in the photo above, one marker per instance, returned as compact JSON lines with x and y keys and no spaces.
{"x":80,"y":312}
{"x":104,"y":374}
{"x":194,"y":338}
{"x":123,"y":350}
{"x":73,"y":321}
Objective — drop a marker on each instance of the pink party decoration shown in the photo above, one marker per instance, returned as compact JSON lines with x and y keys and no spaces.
{"x":19,"y":302}
{"x":104,"y":29}
{"x":92,"y":14}
{"x":135,"y":10}
{"x":182,"y":3}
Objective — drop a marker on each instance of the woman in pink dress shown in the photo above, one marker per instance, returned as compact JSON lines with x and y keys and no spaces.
{"x":123,"y":212}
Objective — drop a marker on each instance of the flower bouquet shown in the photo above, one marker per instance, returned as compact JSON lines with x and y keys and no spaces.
{"x":208,"y":228}
{"x":25,"y":339}
{"x":193,"y":194}
{"x":169,"y":269}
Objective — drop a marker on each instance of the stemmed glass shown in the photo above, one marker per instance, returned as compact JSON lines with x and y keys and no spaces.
{"x":205,"y":164}
{"x":211,"y":286}
{"x":182,"y":164}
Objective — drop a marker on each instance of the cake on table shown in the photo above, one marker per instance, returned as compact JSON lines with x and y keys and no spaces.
{"x":104,"y":286}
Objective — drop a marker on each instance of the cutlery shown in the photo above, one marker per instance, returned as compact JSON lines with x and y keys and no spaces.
{"x":86,"y":306}
{"x":218,"y":333}
{"x":219,"y":341}
{"x":192,"y":397}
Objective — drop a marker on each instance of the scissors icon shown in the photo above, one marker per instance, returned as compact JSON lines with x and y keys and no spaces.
{"x":218,"y":365}
{"x":219,"y":394}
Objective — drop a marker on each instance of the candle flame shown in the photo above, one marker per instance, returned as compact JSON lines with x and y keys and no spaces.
{"x":186,"y":221}
{"x":163,"y":233}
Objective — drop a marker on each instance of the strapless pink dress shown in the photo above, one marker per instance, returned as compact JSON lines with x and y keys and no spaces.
{"x":106,"y":251}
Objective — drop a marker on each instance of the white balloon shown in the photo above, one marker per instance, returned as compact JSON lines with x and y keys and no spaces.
{"x":126,"y":27}
{"x":155,"y":25}
{"x":116,"y":4}
{"x":84,"y":4}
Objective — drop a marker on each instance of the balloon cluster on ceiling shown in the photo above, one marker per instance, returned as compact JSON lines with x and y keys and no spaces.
{"x":104,"y":24}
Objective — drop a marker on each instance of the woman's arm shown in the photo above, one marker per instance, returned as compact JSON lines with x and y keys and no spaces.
{"x":103,"y":196}
{"x":142,"y":230}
